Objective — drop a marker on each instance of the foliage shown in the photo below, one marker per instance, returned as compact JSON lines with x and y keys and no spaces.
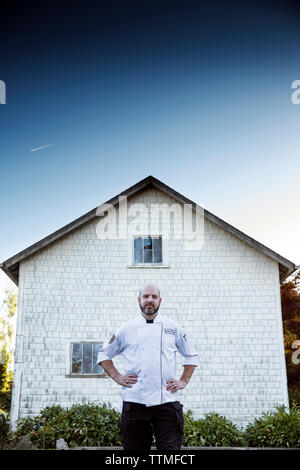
{"x":212,"y":431}
{"x":4,"y":426}
{"x":85,"y":424}
{"x":5,"y":399}
{"x":7,"y":329}
{"x":5,"y":385}
{"x":294,"y":397}
{"x":3,"y":369}
{"x":93,"y":425}
{"x":290,"y":303}
{"x":275,"y":429}
{"x":8,"y":309}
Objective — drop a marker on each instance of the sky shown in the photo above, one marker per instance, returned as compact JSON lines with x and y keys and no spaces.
{"x":101,"y":95}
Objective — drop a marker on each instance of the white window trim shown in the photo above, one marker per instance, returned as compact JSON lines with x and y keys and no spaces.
{"x":165,"y":253}
{"x":68,"y":356}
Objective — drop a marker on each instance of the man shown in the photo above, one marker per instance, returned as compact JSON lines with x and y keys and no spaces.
{"x":148,"y":345}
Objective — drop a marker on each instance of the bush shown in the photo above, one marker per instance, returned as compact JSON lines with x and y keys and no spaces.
{"x":94,"y":426}
{"x":81,"y":425}
{"x":4,"y":426}
{"x":5,"y":399}
{"x":212,"y":431}
{"x":275,"y":429}
{"x":294,"y":397}
{"x":3,"y":368}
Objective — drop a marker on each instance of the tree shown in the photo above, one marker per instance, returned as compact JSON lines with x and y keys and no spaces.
{"x":8,"y":309}
{"x":3,"y":370}
{"x":7,"y":330}
{"x":290,"y":303}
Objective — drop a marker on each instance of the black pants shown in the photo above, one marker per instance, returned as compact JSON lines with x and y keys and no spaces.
{"x":139,"y":421}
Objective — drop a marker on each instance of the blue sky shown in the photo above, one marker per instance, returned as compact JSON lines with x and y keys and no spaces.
{"x":198,"y":96}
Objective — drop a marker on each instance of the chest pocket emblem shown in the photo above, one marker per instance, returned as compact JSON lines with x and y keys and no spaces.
{"x":169,"y":331}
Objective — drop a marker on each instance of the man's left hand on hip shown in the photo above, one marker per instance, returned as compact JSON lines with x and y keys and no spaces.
{"x":174,"y":385}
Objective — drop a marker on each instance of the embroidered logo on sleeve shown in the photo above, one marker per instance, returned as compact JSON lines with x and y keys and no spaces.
{"x":112,"y":339}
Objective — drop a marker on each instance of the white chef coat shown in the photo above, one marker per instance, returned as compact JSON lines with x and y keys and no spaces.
{"x":149,"y":351}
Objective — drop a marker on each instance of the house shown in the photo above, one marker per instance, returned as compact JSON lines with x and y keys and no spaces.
{"x":80,"y":283}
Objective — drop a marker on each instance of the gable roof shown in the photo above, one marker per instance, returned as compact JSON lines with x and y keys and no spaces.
{"x":11,"y":265}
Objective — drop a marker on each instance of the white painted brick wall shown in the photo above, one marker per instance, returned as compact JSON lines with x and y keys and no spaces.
{"x":226,"y":296}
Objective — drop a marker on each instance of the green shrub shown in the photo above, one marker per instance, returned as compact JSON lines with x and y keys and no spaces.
{"x":94,"y":425}
{"x":80,"y":425}
{"x":294,"y":397}
{"x":5,"y":399}
{"x":212,"y":431}
{"x":275,"y":429}
{"x":3,"y":368}
{"x":4,"y":426}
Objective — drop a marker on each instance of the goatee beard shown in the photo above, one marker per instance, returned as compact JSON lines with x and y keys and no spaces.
{"x":149,"y":312}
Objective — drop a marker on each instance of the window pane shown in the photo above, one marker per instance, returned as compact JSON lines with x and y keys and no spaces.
{"x":96,"y":368}
{"x":84,"y":358}
{"x":87,"y":358}
{"x":148,"y":256}
{"x":138,"y":243}
{"x":157,"y":257}
{"x":157,"y":243}
{"x":138,"y":250}
{"x":76,"y":358}
{"x":148,"y":250}
{"x":157,"y":246}
{"x":138,"y":256}
{"x":147,"y":243}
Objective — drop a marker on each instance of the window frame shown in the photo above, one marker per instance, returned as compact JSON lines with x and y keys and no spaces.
{"x":69,"y":372}
{"x":164,"y":250}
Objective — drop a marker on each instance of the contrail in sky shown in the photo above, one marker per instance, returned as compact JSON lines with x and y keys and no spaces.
{"x":42,"y":147}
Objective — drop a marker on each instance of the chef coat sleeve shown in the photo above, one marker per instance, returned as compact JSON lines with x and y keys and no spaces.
{"x":185,"y":348}
{"x":112,"y":348}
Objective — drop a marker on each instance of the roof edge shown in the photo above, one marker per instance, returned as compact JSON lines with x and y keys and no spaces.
{"x":11,"y":265}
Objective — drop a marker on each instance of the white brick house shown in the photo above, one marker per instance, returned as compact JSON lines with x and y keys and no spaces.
{"x":75,"y":289}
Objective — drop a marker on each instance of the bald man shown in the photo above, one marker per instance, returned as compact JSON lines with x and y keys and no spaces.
{"x":148,"y":344}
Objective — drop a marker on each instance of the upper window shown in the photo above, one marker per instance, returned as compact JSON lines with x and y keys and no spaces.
{"x":148,"y":250}
{"x":84,"y":358}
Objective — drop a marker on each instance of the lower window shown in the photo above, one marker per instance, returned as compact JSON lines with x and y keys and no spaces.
{"x":84,"y":358}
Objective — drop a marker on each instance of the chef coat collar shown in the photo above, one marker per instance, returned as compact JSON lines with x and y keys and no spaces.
{"x":158,"y":319}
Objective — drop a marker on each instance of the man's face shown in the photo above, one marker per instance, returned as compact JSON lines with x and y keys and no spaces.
{"x":150,"y":300}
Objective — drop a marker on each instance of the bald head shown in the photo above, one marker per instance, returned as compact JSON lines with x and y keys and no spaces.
{"x":149,"y":300}
{"x":149,"y":288}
